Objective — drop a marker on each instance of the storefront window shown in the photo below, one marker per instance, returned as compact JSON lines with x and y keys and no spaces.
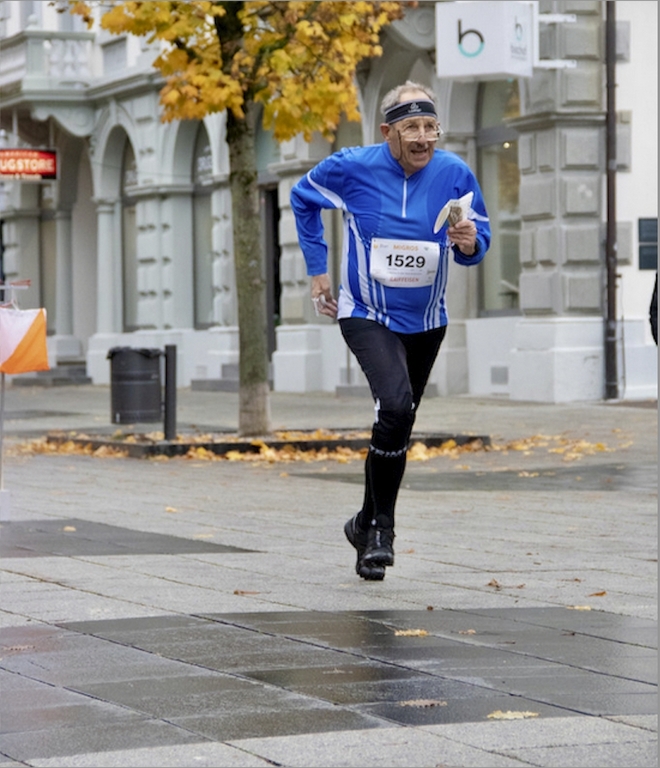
{"x":499,"y":177}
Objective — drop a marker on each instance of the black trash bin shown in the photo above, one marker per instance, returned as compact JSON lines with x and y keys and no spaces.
{"x":135,"y":385}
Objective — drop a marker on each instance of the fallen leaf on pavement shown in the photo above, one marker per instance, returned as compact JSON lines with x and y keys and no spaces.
{"x":511,"y":715}
{"x":17,"y":647}
{"x":423,"y":703}
{"x":598,"y":594}
{"x":410,"y":632}
{"x":579,"y":607}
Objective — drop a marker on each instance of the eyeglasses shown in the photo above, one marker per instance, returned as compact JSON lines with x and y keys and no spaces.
{"x":412,"y":132}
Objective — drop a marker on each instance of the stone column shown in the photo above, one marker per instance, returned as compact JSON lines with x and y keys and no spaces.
{"x":108,"y":291}
{"x":64,"y":344}
{"x":176,"y":257}
{"x":148,"y":267}
{"x":225,"y":310}
{"x":108,"y":303}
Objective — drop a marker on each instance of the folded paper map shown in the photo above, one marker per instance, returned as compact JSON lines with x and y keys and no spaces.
{"x":453,"y":211}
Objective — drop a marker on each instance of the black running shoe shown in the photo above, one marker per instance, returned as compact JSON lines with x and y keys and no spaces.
{"x":378,"y":550}
{"x":358,"y":538}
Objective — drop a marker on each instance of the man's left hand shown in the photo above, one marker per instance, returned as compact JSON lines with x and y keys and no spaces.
{"x":464,"y":236}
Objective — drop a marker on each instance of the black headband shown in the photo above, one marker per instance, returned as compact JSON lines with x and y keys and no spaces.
{"x":413,"y":108}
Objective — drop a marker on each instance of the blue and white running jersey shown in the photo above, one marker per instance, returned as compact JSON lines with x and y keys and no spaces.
{"x":377,"y":200}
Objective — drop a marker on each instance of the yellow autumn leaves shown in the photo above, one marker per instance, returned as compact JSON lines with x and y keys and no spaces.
{"x":570,"y":448}
{"x":293,"y":446}
{"x":297,"y":59}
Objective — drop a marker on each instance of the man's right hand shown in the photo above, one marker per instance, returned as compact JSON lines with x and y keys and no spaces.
{"x":324,"y":303}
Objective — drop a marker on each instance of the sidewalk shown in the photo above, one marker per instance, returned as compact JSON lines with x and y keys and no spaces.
{"x":185,"y":612}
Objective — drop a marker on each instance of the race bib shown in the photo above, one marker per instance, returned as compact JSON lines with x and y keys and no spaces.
{"x":404,"y":263}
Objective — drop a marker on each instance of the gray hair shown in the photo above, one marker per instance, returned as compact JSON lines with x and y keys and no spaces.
{"x":394,"y":96}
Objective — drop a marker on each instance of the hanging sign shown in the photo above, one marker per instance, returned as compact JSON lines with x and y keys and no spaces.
{"x":484,"y":41}
{"x":28,"y":164}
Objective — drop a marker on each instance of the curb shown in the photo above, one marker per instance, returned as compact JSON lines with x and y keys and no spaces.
{"x":141,"y":446}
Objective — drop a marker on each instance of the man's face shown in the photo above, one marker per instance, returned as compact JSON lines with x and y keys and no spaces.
{"x":412,"y":140}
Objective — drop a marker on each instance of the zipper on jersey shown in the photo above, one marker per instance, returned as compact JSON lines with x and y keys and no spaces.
{"x":404,"y":202}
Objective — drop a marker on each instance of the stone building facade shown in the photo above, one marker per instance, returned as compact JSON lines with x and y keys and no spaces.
{"x":132,"y":245}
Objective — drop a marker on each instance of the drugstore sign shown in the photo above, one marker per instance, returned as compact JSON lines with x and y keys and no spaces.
{"x":484,"y":40}
{"x":28,"y":164}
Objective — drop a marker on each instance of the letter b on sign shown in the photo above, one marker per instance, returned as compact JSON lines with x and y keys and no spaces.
{"x":470,"y":41}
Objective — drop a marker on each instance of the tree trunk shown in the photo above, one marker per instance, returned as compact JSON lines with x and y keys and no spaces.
{"x":254,"y":391}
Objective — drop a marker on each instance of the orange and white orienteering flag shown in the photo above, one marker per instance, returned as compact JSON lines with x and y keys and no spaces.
{"x":23,"y":340}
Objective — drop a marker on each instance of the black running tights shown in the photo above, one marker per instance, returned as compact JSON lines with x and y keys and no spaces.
{"x":397,"y":367}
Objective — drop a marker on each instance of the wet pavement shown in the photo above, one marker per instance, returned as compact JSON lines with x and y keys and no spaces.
{"x":182,"y":612}
{"x":228,"y":677}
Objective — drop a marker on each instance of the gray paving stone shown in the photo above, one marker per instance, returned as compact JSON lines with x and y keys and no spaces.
{"x":646,"y":722}
{"x":285,"y":624}
{"x":633,"y":755}
{"x":132,"y":732}
{"x":530,"y":733}
{"x":203,"y":754}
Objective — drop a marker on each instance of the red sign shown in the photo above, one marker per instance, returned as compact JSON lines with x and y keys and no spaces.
{"x":28,"y":164}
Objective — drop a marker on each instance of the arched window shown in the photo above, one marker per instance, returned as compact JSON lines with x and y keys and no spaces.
{"x":499,"y":177}
{"x":129,"y":239}
{"x":202,"y":174}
